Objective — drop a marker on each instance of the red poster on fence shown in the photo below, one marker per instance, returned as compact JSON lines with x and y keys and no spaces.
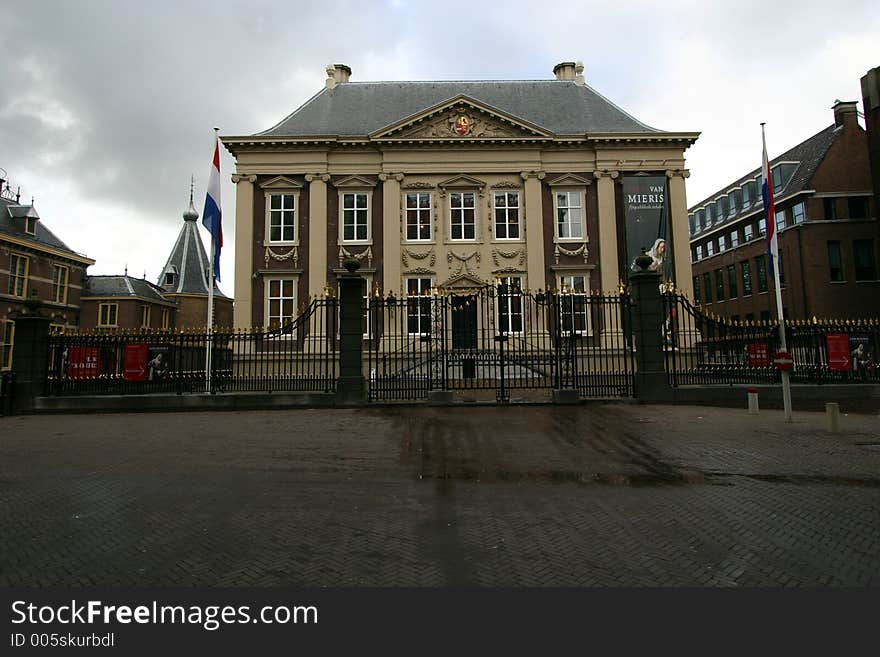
{"x":83,"y":362}
{"x":759,"y":354}
{"x":837,"y":346}
{"x":135,"y":368}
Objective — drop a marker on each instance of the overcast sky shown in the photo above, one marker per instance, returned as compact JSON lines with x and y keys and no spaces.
{"x":107,"y":108}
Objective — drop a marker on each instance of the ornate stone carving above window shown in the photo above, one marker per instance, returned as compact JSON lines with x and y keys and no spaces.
{"x":582,"y":250}
{"x":292,"y":255}
{"x":519,"y":254}
{"x":406,"y":254}
{"x":464,"y":262}
{"x":345,"y":254}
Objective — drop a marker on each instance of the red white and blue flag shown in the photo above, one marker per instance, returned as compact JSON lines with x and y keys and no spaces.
{"x":211,"y":217}
{"x":769,"y":212}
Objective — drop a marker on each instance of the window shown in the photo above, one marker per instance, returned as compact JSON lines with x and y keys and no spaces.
{"x":722,"y":208}
{"x":701,"y":220}
{"x":734,"y":202}
{"x":799,"y":213}
{"x":781,"y":174}
{"x":858,"y":207}
{"x":710,"y":248}
{"x":7,"y":338}
{"x":574,"y":305}
{"x":30,"y":225}
{"x":734,"y":239}
{"x":282,"y":217}
{"x":569,"y":216}
{"x":507,"y":216}
{"x":462,"y":216}
{"x":691,"y":226}
{"x":780,"y":220}
{"x":418,"y":306}
{"x":719,"y":285}
{"x":280,"y":302}
{"x":863,"y":257}
{"x":60,"y":274}
{"x":169,"y":279}
{"x":707,"y":287}
{"x":697,"y":290}
{"x":510,"y":311}
{"x":166,"y":318}
{"x":835,"y":264}
{"x":830,"y":205}
{"x":722,"y":243}
{"x":107,"y":314}
{"x":731,"y":281}
{"x":418,"y":216}
{"x":746,"y":267}
{"x":18,"y":272}
{"x":710,"y":214}
{"x":355,"y":213}
{"x":699,"y":251}
{"x":145,"y":316}
{"x":748,"y":194}
{"x":762,"y":226}
{"x":748,"y":232}
{"x":761,"y":268}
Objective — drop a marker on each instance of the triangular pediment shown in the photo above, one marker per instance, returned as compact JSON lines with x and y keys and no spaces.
{"x":461,"y":182}
{"x":570,"y":180}
{"x":462,"y":282}
{"x":354,"y":181}
{"x":281,"y":182}
{"x":461,"y":119}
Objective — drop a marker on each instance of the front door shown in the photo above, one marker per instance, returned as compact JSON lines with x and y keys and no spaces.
{"x":464,"y":322}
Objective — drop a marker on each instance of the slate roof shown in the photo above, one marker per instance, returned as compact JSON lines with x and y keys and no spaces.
{"x":189,"y":261}
{"x":360,"y":108}
{"x":12,"y":223}
{"x":808,"y":153}
{"x":122,"y":286}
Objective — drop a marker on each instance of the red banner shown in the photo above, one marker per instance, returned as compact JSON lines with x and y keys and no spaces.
{"x":837,"y":346}
{"x":83,"y":362}
{"x":135,"y":368}
{"x":759,"y":354}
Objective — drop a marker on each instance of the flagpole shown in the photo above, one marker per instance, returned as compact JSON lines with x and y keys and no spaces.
{"x":210,"y":322}
{"x":774,"y":260}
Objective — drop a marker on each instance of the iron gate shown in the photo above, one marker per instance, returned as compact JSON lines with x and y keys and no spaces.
{"x":499,"y":338}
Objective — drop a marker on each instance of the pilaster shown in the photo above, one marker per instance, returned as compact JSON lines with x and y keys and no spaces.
{"x":534,"y":229}
{"x":608,"y":266}
{"x":391,"y":231}
{"x":317,"y":232}
{"x":242,"y":315}
{"x":680,"y":236}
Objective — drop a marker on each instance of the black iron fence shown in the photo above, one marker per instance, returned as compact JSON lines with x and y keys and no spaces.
{"x":7,"y":384}
{"x":498,"y":338}
{"x":700,"y":349}
{"x":299,"y":356}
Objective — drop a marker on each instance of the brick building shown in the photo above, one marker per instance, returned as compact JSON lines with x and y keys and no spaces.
{"x":35,"y":263}
{"x":449,"y":185}
{"x":827,"y":225}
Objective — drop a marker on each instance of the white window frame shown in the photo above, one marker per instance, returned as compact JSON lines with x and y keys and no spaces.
{"x":57,"y":284}
{"x":15,"y":277}
{"x":419,"y":210}
{"x":699,"y":252}
{"x":462,"y":209}
{"x":710,"y":248}
{"x":166,"y":318}
{"x":734,"y":239}
{"x":367,"y":194}
{"x":294,"y":194}
{"x":748,"y":233}
{"x":146,"y":315}
{"x":112,"y":309}
{"x":580,"y":196}
{"x":422,"y":290}
{"x":507,"y":318}
{"x":803,"y":214}
{"x":722,"y":244}
{"x":268,"y":298}
{"x":567,"y":282}
{"x":506,"y":210}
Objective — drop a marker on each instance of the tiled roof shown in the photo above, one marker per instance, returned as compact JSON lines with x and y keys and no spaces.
{"x":361,"y":108}
{"x":122,"y":286}
{"x":189,"y":261}
{"x":809,"y":154}
{"x":12,"y":222}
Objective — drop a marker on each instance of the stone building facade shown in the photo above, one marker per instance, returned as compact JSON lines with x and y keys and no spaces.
{"x":445,"y":185}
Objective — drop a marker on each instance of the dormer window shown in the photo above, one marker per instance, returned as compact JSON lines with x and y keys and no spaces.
{"x":30,"y":225}
{"x":170,"y":278}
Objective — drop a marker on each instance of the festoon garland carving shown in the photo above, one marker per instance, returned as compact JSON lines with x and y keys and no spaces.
{"x":345,"y":254}
{"x":293,"y":254}
{"x":406,"y":254}
{"x":464,"y":262}
{"x":510,"y":255}
{"x":581,"y":250}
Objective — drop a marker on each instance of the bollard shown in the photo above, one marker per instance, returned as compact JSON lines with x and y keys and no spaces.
{"x":753,"y":401}
{"x":832,"y":415}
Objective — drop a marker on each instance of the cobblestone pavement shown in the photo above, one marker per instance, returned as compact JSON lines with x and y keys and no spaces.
{"x":595,"y":495}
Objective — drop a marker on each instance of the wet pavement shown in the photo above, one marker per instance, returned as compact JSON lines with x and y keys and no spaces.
{"x":594,"y":495}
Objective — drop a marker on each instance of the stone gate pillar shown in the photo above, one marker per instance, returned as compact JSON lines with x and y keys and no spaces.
{"x":351,"y":386}
{"x":652,"y":383}
{"x":30,"y":360}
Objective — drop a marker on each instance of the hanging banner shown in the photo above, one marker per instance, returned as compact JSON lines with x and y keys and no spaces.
{"x":646,"y":215}
{"x":837,"y":347}
{"x":159,"y":362}
{"x":83,"y":362}
{"x":135,"y":363}
{"x":759,"y":354}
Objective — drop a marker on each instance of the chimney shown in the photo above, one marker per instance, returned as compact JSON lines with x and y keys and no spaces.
{"x":570,"y":72}
{"x":337,"y":74}
{"x":845,"y":112}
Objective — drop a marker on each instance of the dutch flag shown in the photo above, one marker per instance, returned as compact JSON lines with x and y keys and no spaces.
{"x":211,"y":217}
{"x":769,"y":212}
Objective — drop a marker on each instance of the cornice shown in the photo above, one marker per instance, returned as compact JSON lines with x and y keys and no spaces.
{"x":48,"y":250}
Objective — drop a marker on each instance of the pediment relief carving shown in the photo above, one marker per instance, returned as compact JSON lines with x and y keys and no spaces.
{"x":354,"y":181}
{"x":462,"y":282}
{"x":571,"y":180}
{"x":461,"y":182}
{"x":281,"y":182}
